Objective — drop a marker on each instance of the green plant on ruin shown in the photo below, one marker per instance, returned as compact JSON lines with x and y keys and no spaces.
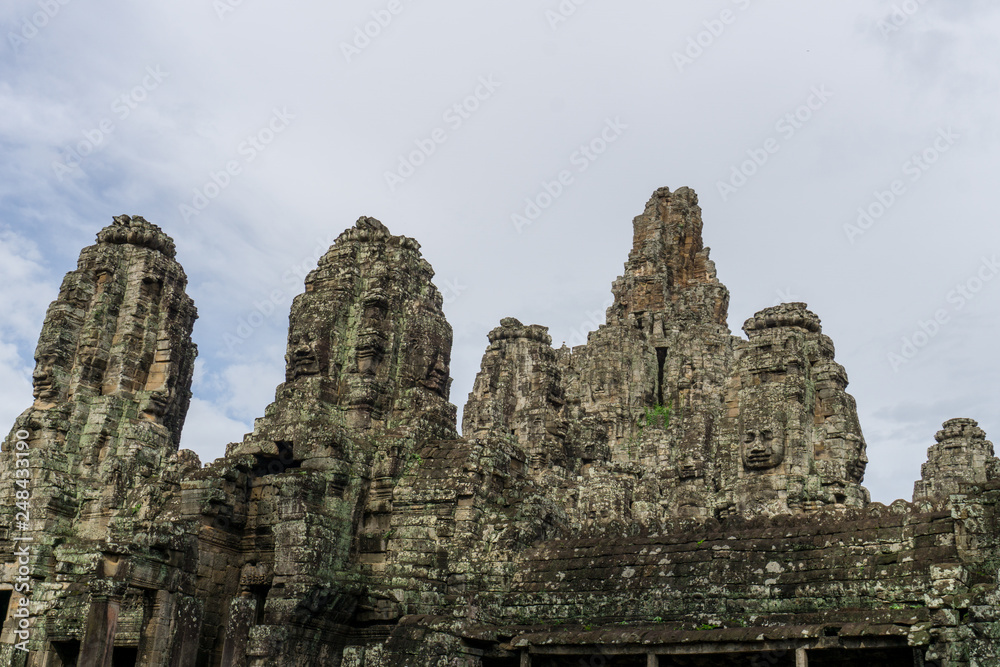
{"x":660,"y":414}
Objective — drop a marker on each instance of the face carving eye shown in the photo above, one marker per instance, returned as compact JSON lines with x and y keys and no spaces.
{"x":766,"y":435}
{"x":749,"y":437}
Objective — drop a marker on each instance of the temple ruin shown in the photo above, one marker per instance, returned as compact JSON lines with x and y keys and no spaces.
{"x":666,"y":495}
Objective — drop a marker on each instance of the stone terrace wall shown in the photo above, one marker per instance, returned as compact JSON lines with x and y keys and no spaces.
{"x":758,"y":572}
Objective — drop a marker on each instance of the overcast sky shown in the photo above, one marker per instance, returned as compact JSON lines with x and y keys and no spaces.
{"x":254,"y":133}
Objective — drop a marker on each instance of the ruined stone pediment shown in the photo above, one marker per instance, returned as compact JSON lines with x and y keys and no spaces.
{"x":665,"y":494}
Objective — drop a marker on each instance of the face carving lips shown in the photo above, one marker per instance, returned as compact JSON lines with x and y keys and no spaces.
{"x":437,"y":377}
{"x":690,"y":468}
{"x":302,"y":357}
{"x":43,"y":384}
{"x":156,"y":403}
{"x":760,"y":449}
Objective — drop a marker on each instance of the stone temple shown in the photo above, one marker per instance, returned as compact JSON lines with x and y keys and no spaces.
{"x":667,"y":494}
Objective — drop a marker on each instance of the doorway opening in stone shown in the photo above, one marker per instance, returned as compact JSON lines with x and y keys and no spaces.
{"x":780,"y":658}
{"x":502,"y":662}
{"x":588,"y":660}
{"x":66,"y":653}
{"x":5,"y":604}
{"x":873,"y":657}
{"x":125,"y":656}
{"x":260,"y":597}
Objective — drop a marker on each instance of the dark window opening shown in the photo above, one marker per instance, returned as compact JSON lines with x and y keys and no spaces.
{"x":275,"y":465}
{"x":260,"y":597}
{"x":593,"y":660}
{"x":875,"y":657}
{"x":501,"y":662}
{"x":661,"y":360}
{"x":780,"y":658}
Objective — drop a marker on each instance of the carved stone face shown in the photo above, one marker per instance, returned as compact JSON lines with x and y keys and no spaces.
{"x":302,"y":359}
{"x":763,"y":448}
{"x":858,"y":462}
{"x":43,"y":381}
{"x":437,"y":376}
{"x":376,"y":304}
{"x":369,"y":350}
{"x":556,"y":428}
{"x":157,"y":403}
{"x":691,"y":466}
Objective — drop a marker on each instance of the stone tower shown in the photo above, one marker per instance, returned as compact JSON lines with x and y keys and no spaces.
{"x":112,"y":376}
{"x":663,"y":413}
{"x":962,"y":454}
{"x":366,"y":386}
{"x":112,"y":385}
{"x":791,"y":441}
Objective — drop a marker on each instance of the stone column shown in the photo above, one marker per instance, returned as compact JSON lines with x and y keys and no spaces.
{"x":154,"y":643}
{"x":242,"y":611}
{"x":99,"y":637}
{"x":186,"y":633}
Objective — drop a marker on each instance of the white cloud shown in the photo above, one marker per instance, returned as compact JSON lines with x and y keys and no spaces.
{"x":27,"y":287}
{"x":15,"y":385}
{"x":784,"y":229}
{"x":207,"y":430}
